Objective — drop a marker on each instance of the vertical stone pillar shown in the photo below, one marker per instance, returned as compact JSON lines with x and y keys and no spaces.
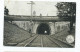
{"x":52,"y":29}
{"x":35,"y":26}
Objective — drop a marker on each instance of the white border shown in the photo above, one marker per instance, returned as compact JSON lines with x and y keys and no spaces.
{"x":33,"y":49}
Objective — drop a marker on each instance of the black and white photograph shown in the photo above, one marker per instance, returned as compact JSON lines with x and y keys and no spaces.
{"x":39,"y":24}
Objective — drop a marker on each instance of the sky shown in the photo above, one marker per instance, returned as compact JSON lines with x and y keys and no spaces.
{"x":40,"y":7}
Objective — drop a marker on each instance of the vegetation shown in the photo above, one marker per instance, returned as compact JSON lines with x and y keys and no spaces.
{"x":67,"y":10}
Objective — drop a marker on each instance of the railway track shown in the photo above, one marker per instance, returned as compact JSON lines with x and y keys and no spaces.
{"x":35,"y":43}
{"x":48,"y":42}
{"x":26,"y":42}
{"x":44,"y":41}
{"x":60,"y":43}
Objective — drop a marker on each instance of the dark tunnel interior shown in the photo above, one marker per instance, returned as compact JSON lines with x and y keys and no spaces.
{"x":43,"y":29}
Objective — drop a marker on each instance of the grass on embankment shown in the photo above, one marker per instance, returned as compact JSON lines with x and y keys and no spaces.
{"x":13,"y":34}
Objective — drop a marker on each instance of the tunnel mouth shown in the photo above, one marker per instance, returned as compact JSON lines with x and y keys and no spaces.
{"x":43,"y":29}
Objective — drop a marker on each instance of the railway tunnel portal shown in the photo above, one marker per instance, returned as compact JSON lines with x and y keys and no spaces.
{"x":43,"y":28}
{"x":45,"y":25}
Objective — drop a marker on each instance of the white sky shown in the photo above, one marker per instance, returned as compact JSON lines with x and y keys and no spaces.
{"x":22,"y":8}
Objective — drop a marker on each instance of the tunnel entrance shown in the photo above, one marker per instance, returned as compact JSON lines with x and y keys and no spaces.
{"x":43,"y":29}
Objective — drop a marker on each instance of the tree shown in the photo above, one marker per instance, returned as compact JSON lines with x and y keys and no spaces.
{"x":67,"y":10}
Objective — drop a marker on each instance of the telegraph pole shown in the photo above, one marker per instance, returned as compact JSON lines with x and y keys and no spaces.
{"x":31,"y":7}
{"x":31,"y":13}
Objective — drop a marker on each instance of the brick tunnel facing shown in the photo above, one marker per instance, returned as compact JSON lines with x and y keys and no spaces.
{"x":43,"y":29}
